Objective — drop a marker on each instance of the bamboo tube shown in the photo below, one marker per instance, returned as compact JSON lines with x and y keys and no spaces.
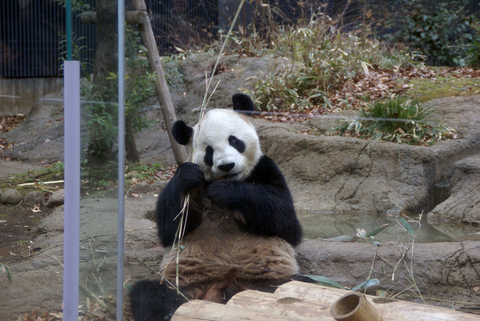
{"x":354,"y":307}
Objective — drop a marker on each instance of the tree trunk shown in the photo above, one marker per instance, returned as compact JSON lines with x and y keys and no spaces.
{"x":130,"y":144}
{"x":106,"y":56}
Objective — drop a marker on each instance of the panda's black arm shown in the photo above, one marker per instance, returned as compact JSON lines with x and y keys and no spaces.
{"x":170,"y":203}
{"x":263,"y":200}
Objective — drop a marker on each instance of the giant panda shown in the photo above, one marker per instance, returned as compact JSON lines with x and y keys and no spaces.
{"x":241,"y":227}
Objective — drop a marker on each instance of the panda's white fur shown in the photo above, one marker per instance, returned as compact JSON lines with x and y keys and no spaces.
{"x":214,"y":130}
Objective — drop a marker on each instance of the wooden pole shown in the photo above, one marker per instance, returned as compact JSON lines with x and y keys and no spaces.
{"x":161,"y":86}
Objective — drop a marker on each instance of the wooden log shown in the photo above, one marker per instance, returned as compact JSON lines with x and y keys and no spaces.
{"x":161,"y":86}
{"x":208,"y":311}
{"x":271,"y":304}
{"x":389,"y":309}
{"x":132,"y":17}
{"x":89,"y":18}
{"x":136,"y":17}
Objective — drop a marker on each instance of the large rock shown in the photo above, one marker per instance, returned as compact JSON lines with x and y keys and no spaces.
{"x":57,"y":198}
{"x":464,"y":202}
{"x":328,"y":173}
{"x":440,"y":270}
{"x":348,"y":174}
{"x":34,"y":198}
{"x":141,"y":187}
{"x":11,"y":196}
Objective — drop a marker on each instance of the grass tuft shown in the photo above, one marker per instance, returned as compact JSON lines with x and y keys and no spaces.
{"x":399,"y":119}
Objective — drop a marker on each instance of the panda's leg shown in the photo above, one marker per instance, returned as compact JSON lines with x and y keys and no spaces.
{"x":153,"y":301}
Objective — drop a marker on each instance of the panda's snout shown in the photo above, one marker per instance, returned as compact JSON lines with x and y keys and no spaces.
{"x":226,"y":167}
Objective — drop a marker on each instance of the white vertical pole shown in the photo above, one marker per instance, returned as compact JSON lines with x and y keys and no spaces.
{"x":71,"y":248}
{"x":121,"y":154}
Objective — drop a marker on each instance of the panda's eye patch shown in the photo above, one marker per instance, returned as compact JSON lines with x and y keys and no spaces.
{"x":208,"y":159}
{"x":236,"y":143}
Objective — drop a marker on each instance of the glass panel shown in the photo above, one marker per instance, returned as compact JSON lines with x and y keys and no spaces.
{"x":31,"y":157}
{"x":99,"y":203}
{"x":353,"y":183}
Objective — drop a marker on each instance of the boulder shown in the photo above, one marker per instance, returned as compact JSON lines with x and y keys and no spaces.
{"x":33,"y":198}
{"x":141,"y":187}
{"x":464,"y":202}
{"x":11,"y":196}
{"x":56,"y":198}
{"x":159,"y":185}
{"x":439,"y":269}
{"x":343,"y":174}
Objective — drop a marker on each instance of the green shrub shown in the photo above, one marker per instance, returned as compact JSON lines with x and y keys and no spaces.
{"x":102,"y":114}
{"x":442,"y":34}
{"x":398,"y":119}
{"x":323,"y":58}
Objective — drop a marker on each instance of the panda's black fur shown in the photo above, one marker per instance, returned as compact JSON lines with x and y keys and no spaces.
{"x":258,"y":208}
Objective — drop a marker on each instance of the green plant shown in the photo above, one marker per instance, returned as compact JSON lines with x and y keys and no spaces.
{"x":143,"y":172}
{"x":77,"y":5}
{"x":399,"y":119}
{"x":473,"y":54}
{"x":403,"y":267}
{"x":442,"y":34}
{"x":323,"y":58}
{"x":102,"y":123}
{"x":103,"y":183}
{"x":58,"y":166}
{"x":275,"y":91}
{"x":78,"y":51}
{"x":325,"y":281}
{"x":103,"y":114}
{"x":4,"y":268}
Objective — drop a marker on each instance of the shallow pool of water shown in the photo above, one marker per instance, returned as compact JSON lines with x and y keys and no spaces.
{"x":328,"y":225}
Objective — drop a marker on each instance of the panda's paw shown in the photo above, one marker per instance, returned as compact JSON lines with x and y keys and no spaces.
{"x":190,"y":175}
{"x":217,"y":192}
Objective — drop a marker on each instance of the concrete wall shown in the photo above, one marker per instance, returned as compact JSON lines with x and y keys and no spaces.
{"x":19,"y":95}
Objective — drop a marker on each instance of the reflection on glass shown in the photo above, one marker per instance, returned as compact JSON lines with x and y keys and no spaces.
{"x":99,"y":204}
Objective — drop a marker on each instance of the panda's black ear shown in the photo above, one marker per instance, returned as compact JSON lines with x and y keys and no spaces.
{"x":182,"y":132}
{"x":243,"y":104}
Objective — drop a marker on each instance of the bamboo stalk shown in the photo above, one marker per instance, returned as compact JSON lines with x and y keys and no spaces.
{"x":40,"y":183}
{"x":354,"y":307}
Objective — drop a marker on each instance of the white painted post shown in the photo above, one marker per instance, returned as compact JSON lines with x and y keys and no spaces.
{"x":71,"y":247}
{"x":121,"y":155}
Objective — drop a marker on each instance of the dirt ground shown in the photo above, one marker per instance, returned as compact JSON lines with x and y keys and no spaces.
{"x":18,"y":223}
{"x":18,"y":230}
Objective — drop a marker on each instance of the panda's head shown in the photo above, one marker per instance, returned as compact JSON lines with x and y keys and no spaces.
{"x":224,"y":143}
